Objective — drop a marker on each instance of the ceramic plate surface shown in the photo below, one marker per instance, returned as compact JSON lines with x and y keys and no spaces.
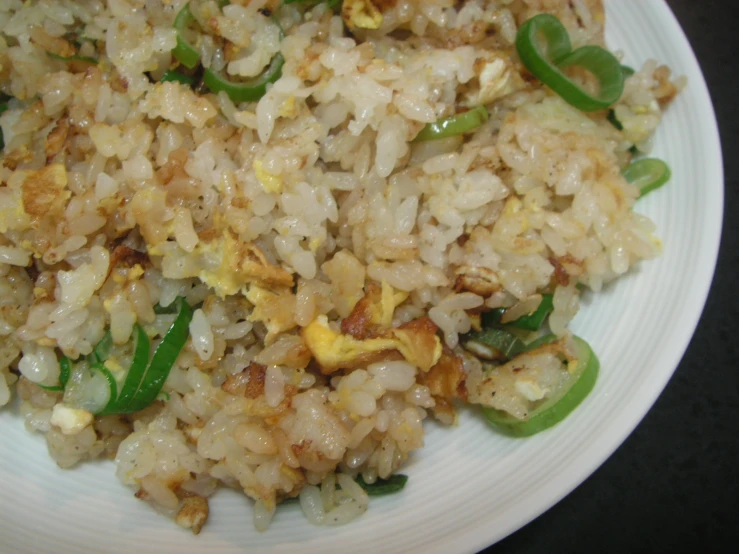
{"x":468,"y":487}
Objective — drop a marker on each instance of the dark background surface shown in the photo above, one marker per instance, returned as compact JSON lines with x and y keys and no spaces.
{"x":674,"y":484}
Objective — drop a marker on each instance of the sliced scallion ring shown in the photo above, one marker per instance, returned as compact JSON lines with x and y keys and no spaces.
{"x":647,"y":174}
{"x":548,"y":63}
{"x":185,"y":52}
{"x":580,"y":383}
{"x":245,"y":91}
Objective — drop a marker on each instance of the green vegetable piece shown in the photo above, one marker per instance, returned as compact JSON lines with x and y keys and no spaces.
{"x":502,"y":344}
{"x":548,"y":65}
{"x":381,"y":487}
{"x":111,"y":383}
{"x":245,"y":91}
{"x":333,"y":4}
{"x":163,"y":359}
{"x":65,"y":369}
{"x":51,"y":388}
{"x":552,"y":410}
{"x":627,"y":71}
{"x":102,"y":349}
{"x":177,"y":77}
{"x":611,"y":117}
{"x":120,"y":403}
{"x":3,"y":108}
{"x":530,"y":322}
{"x":454,"y":125}
{"x":534,"y":321}
{"x":75,"y":58}
{"x":647,"y":174}
{"x":185,"y":52}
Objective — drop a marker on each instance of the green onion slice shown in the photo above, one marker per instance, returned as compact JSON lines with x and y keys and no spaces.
{"x":65,"y":369}
{"x":556,"y":408}
{"x":381,"y":487}
{"x":613,"y":120}
{"x":333,"y":4}
{"x":3,"y":107}
{"x":454,"y":125}
{"x":101,"y":352}
{"x":494,"y":344}
{"x":74,"y":58}
{"x":120,"y":402}
{"x":647,"y":174}
{"x":245,"y":91}
{"x":548,"y":64}
{"x":529,"y":322}
{"x":185,"y":52}
{"x":163,"y":359}
{"x":177,"y":77}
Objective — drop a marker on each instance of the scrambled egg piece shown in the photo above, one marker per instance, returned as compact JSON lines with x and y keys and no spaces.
{"x":224,"y":263}
{"x":333,"y":350}
{"x":269,"y":181}
{"x":361,"y":14}
{"x":70,"y":420}
{"x":275,"y":309}
{"x":289,"y":108}
{"x":497,"y":79}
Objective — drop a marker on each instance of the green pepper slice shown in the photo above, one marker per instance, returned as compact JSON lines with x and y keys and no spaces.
{"x":548,"y":65}
{"x":454,"y":125}
{"x":556,"y":408}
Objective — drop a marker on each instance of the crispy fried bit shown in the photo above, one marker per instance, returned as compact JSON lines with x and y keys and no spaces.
{"x":565,"y":267}
{"x":174,"y":168}
{"x":56,"y":139}
{"x":17,"y":157}
{"x":420,"y":344}
{"x":359,"y":322}
{"x":248,"y":383}
{"x":55,"y":45}
{"x":446,"y":382}
{"x":666,"y":89}
{"x":44,"y":191}
{"x":373,"y":312}
{"x":247,"y":261}
{"x":480,"y":280}
{"x":128,"y":258}
{"x":193,"y":514}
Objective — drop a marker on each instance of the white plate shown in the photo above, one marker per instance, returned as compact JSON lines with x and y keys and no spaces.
{"x":468,"y":487}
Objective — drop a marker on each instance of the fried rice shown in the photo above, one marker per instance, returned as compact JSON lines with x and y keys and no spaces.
{"x":332,"y":262}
